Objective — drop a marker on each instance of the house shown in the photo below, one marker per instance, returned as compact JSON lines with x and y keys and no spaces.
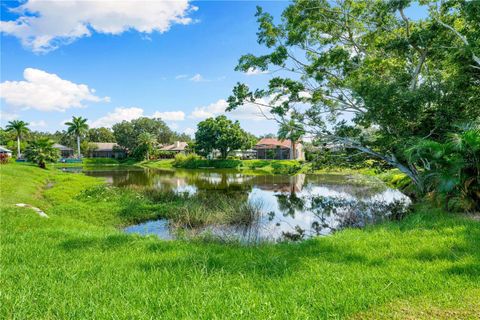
{"x":65,"y":152}
{"x":177,"y":147}
{"x":271,"y":148}
{"x":244,"y":154}
{"x":5,"y":151}
{"x":106,"y":150}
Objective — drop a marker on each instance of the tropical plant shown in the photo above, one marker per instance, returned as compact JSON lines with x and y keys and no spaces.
{"x":147,"y":141}
{"x":20,"y":128}
{"x":78,"y":127}
{"x":42,"y":151}
{"x":291,"y":130}
{"x":366,"y":60}
{"x":451,"y":169}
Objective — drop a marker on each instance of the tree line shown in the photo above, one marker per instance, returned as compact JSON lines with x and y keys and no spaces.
{"x":410,"y":88}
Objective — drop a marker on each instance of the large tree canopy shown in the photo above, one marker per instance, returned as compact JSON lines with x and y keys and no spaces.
{"x":365,"y":65}
{"x":127,"y":132}
{"x":220,"y":134}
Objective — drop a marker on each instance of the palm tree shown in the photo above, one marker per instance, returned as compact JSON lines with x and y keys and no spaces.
{"x":77,"y":126}
{"x":41,"y":151}
{"x":20,"y":128}
{"x":148,"y":141}
{"x":292,"y":131}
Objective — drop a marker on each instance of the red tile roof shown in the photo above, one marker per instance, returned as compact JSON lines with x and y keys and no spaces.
{"x":266,"y":143}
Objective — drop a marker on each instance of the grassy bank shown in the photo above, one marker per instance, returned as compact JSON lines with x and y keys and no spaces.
{"x":77,"y":265}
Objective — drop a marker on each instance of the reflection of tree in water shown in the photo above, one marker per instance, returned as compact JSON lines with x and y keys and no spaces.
{"x":288,"y":204}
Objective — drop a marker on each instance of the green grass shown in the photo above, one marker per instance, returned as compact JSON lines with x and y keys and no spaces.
{"x":77,"y":265}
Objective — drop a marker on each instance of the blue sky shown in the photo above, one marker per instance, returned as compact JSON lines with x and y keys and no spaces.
{"x":109,"y":61}
{"x":187,"y":68}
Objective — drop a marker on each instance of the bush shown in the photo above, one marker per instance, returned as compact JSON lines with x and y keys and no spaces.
{"x":3,"y":158}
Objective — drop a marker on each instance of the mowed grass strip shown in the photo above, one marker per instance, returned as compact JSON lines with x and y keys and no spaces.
{"x":78,"y":265}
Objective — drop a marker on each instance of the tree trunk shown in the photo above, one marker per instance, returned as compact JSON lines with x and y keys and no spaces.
{"x":293,"y":150}
{"x":78,"y":147}
{"x":18,"y":147}
{"x":391,"y":160}
{"x":41,"y":164}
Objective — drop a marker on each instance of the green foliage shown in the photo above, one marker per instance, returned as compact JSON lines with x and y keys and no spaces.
{"x":77,"y":127}
{"x":100,"y":135}
{"x":42,"y":151}
{"x":452,"y":168}
{"x":399,"y":78}
{"x":127,"y":133}
{"x":19,"y":128}
{"x":220,"y":134}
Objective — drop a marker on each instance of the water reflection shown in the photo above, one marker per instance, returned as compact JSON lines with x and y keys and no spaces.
{"x":292,"y":207}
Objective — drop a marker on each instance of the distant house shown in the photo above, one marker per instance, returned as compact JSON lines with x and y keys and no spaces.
{"x":270,"y":148}
{"x":106,"y":150}
{"x":177,"y":147}
{"x":6,"y":151}
{"x":65,"y":152}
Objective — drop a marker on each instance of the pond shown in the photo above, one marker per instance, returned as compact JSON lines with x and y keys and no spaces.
{"x":289,"y":207}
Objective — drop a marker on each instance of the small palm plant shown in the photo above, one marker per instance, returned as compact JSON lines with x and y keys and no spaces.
{"x":147,"y":141}
{"x":452,"y":168}
{"x":20,"y":128}
{"x":78,"y":126}
{"x":42,"y":151}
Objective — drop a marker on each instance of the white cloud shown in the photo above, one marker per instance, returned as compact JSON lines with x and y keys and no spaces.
{"x":7,"y":116}
{"x":181,"y":76}
{"x":254,"y":72}
{"x":189,"y":131}
{"x":46,"y":92}
{"x":118,"y":115}
{"x":248,"y":111}
{"x":128,"y":114}
{"x":38,"y":124}
{"x":170,"y":115}
{"x":172,"y":125}
{"x":44,"y":25}
{"x":197,"y":78}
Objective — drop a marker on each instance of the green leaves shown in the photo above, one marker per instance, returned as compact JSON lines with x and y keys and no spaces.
{"x":220,"y":134}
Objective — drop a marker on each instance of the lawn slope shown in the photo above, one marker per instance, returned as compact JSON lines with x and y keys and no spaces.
{"x":77,"y":265}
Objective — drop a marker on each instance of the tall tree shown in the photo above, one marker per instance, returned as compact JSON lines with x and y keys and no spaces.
{"x":147,"y":141}
{"x":220,"y":134}
{"x":127,"y":132}
{"x":100,"y":135}
{"x":20,"y":128}
{"x":403,"y":79}
{"x":78,"y":127}
{"x":291,"y":130}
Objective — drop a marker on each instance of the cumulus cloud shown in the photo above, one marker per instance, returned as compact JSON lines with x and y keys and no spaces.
{"x":170,"y":115}
{"x":128,"y":114}
{"x":118,"y":115}
{"x":254,"y":72}
{"x":45,"y":91}
{"x":248,"y":111}
{"x":44,"y":25}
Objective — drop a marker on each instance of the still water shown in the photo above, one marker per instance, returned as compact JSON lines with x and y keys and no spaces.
{"x":290,"y":207}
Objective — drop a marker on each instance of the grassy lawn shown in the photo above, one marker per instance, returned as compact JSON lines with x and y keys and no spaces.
{"x":77,"y":265}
